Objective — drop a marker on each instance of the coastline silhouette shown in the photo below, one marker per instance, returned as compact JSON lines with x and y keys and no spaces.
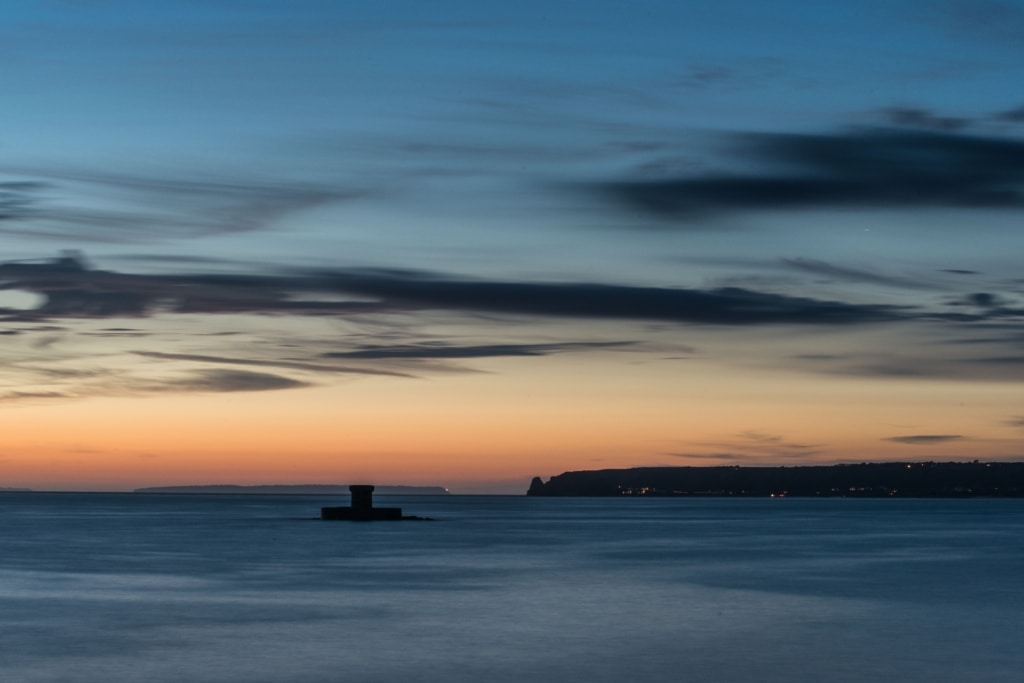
{"x":863,"y":480}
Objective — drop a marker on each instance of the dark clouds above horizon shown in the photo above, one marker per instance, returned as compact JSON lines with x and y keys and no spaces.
{"x":68,"y":287}
{"x":857,"y":168}
{"x":72,"y":292}
{"x":71,"y":289}
{"x":928,"y":163}
{"x":729,"y":230}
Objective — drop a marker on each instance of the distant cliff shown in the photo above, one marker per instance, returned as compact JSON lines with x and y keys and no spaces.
{"x":867,"y":480}
{"x":306,"y":489}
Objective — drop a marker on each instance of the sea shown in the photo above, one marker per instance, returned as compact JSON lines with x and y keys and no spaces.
{"x":168,"y":588}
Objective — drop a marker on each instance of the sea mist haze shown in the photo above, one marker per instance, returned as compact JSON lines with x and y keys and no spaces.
{"x":228,"y":588}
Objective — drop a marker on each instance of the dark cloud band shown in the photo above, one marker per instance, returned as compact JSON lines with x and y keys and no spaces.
{"x":888,"y":168}
{"x":448,"y":351}
{"x":72,"y":289}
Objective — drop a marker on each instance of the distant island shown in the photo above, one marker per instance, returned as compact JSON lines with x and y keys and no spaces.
{"x":8,"y":489}
{"x":297,"y":489}
{"x":865,"y":480}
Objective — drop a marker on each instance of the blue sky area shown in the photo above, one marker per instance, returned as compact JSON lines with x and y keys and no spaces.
{"x":810,"y":189}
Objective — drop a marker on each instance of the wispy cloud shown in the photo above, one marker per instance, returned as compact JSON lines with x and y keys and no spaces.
{"x":754,"y":446}
{"x":734,"y":74}
{"x":439,"y":351}
{"x":985,"y":20}
{"x":127,"y":383}
{"x":926,"y":439}
{"x":772,"y":441}
{"x":918,"y":117}
{"x":928,"y":363}
{"x":62,"y":205}
{"x":1015,"y":115}
{"x":837,"y":272}
{"x":28,"y":396}
{"x":227,"y":381}
{"x":290,"y":365}
{"x":16,"y":198}
{"x":723,"y":456}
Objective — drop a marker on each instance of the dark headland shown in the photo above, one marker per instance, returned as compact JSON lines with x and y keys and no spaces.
{"x":865,"y":480}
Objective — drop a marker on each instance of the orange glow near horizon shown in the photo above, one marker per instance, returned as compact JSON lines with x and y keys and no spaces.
{"x":509,"y":425}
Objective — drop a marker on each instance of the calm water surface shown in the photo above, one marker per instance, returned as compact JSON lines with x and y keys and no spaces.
{"x":169,"y":588}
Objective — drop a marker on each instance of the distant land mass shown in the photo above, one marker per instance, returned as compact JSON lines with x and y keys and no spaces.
{"x":308,"y":489}
{"x":8,"y":489}
{"x":865,"y":480}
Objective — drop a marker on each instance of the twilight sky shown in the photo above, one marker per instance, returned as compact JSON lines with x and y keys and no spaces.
{"x":465,"y":243}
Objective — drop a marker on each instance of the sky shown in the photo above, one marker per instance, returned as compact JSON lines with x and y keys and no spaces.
{"x":465,"y":244}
